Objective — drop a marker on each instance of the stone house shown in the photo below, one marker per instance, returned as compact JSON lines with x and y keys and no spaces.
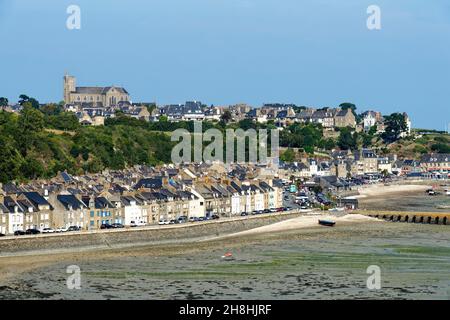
{"x":345,"y":118}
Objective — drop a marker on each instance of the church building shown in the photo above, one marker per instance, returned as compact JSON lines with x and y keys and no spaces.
{"x":93,"y":96}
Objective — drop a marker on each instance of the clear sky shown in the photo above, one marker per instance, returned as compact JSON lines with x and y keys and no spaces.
{"x":314,"y":52}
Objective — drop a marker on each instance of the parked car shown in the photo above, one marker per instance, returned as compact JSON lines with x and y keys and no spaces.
{"x":48,"y":230}
{"x":32,"y":231}
{"x":19,"y":233}
{"x":191,"y":219}
{"x":201,"y":219}
{"x":2,"y":235}
{"x":106,"y":226}
{"x":215,"y":217}
{"x":273,"y":210}
{"x":172,"y":221}
{"x":243,"y":214}
{"x":182,"y":219}
{"x":74,"y":228}
{"x":117,"y":226}
{"x":137,"y":224}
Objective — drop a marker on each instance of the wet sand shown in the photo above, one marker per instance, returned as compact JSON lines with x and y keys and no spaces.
{"x":15,"y":264}
{"x":415,"y":200}
{"x":309,"y":262}
{"x":380,"y":190}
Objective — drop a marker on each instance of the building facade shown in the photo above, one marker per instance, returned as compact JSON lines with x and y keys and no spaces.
{"x":95,"y":96}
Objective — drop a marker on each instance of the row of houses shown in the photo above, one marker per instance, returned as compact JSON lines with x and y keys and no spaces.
{"x":345,"y":164}
{"x":150,"y":200}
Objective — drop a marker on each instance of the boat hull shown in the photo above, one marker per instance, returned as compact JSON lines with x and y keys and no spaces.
{"x":327,"y":223}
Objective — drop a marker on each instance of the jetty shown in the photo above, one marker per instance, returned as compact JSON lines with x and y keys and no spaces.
{"x":408,"y":216}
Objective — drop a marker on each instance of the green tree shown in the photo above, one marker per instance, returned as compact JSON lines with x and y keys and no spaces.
{"x":348,"y":105}
{"x":347,"y":140}
{"x":395,"y":125}
{"x":51,"y":109}
{"x":226,"y":116}
{"x":62,"y":121}
{"x":288,"y":155}
{"x":441,"y":147}
{"x":3,"y":102}
{"x":30,"y":119}
{"x":10,"y":160}
{"x":163,"y":119}
{"x":23,"y":99}
{"x":32,"y":168}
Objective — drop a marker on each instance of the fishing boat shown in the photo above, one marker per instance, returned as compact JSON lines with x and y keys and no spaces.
{"x":327,"y":223}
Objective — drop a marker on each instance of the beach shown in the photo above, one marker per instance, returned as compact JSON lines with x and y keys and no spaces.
{"x":309,"y":262}
{"x":291,"y":259}
{"x":406,"y":197}
{"x":378,"y":190}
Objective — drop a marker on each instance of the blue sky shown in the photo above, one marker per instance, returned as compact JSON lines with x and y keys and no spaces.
{"x":314,"y":52}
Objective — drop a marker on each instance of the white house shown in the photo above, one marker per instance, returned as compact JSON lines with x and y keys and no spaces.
{"x":15,"y":221}
{"x":235,"y":203}
{"x":313,"y":167}
{"x":196,"y":206}
{"x":259,"y":199}
{"x":134,"y":213}
{"x":370,"y":119}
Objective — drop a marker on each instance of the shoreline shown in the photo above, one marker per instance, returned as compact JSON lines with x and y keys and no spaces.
{"x":12,"y":266}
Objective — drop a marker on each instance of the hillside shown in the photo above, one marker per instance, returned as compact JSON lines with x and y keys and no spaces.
{"x":30,"y":151}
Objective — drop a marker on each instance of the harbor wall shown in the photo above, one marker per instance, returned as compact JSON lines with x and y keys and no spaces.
{"x":125,"y":237}
{"x":409,"y":217}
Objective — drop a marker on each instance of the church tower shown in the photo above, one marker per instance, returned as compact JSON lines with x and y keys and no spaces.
{"x":69,"y":86}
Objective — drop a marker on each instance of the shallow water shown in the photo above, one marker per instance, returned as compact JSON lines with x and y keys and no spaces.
{"x":318,"y":263}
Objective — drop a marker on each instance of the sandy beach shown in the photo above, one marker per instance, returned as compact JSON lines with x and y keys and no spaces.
{"x":12,"y":266}
{"x":378,"y":190}
{"x":302,"y":222}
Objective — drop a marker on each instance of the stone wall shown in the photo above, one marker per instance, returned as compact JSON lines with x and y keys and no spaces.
{"x":124,"y":237}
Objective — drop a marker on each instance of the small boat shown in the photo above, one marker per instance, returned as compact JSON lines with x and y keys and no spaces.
{"x":228,"y":256}
{"x":337,"y":209}
{"x":447,"y":192}
{"x":327,"y":223}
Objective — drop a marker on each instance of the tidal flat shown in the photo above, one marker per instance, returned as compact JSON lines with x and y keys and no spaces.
{"x":311,"y":263}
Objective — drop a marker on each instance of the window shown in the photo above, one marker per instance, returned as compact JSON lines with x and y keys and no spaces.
{"x":92,"y":214}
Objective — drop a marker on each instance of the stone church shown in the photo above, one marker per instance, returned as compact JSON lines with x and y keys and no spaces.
{"x":93,"y":96}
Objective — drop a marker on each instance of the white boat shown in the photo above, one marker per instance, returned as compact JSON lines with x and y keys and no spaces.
{"x":337,"y":209}
{"x":447,"y":192}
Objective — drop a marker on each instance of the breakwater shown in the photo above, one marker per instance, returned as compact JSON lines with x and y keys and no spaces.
{"x":410,"y":217}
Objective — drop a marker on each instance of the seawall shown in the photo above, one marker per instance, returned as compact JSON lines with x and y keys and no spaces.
{"x":139,"y":236}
